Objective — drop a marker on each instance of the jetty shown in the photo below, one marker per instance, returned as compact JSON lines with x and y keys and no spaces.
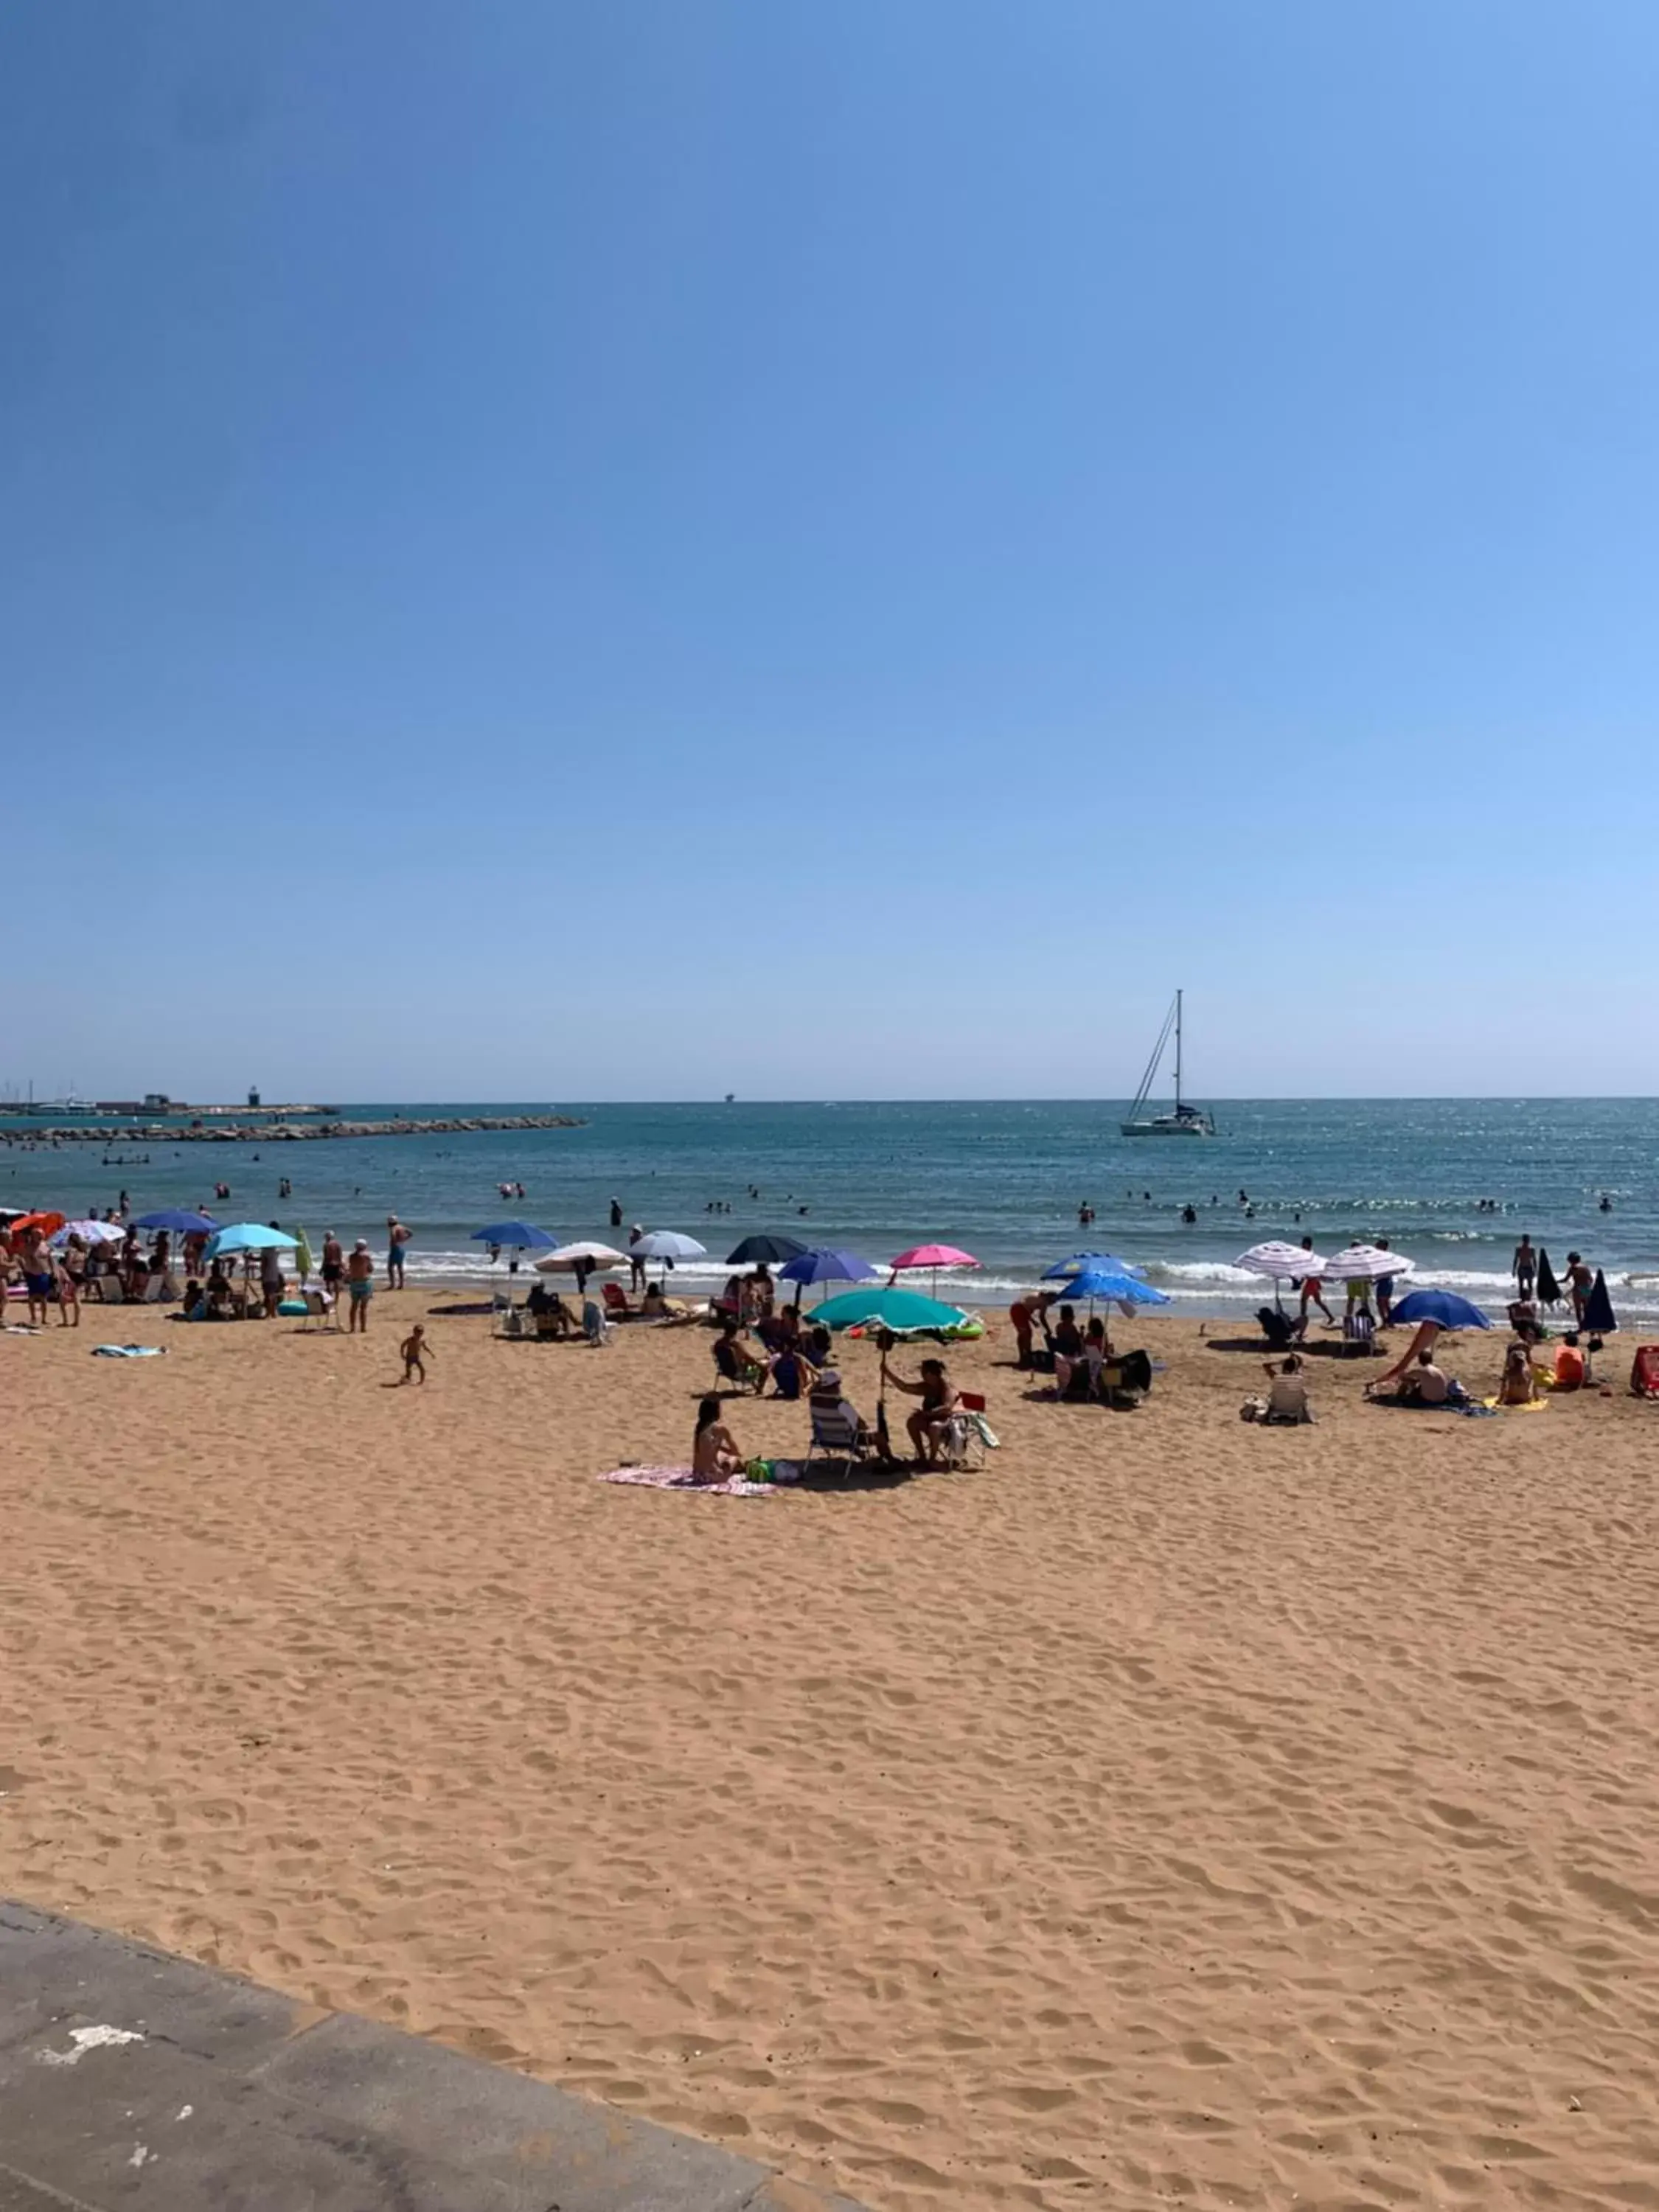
{"x":262,"y":1131}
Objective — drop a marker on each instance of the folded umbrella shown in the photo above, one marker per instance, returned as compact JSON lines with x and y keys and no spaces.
{"x":1598,"y":1309}
{"x":1546,"y":1289}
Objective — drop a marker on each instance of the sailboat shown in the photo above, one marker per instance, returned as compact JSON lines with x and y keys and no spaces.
{"x":1183,"y":1120}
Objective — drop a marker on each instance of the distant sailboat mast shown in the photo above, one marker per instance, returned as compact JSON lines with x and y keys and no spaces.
{"x":1184,"y":1121}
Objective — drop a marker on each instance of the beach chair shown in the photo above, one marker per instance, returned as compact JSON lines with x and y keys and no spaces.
{"x":1279,"y":1328}
{"x":322,"y":1311}
{"x":109,"y":1290}
{"x":1359,"y":1333}
{"x":969,"y":1435}
{"x":837,"y":1431}
{"x":595,"y":1328}
{"x":733,"y":1365}
{"x":616,"y":1302}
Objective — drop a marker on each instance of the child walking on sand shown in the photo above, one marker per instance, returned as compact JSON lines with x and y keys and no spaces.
{"x":415,"y":1351}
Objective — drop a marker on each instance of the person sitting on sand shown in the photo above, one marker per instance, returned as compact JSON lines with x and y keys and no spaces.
{"x":1065,"y":1337}
{"x":714,"y":1454}
{"x":1081,"y":1378}
{"x":1427,"y":1383}
{"x":415,"y":1351}
{"x":1517,"y":1386}
{"x":1286,"y":1401}
{"x":553,"y":1317}
{"x":735,"y":1363}
{"x":931,"y":1419}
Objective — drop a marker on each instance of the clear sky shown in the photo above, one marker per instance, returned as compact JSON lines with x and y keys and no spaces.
{"x":649,"y":547}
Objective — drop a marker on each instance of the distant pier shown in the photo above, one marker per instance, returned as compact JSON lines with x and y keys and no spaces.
{"x":265,"y":1132}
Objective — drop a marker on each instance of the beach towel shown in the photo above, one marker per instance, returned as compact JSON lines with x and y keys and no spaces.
{"x":681,"y":1477}
{"x":1534,"y":1405}
{"x":128,"y":1351}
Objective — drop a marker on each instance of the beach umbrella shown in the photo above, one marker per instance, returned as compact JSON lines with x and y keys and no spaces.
{"x":523,"y":1236}
{"x":596,"y":1259}
{"x":1080,"y":1263}
{"x":1283,"y":1262}
{"x":248,"y":1236}
{"x":1444,"y":1307}
{"x":828,"y":1266}
{"x":1128,"y":1290}
{"x":47,"y":1223}
{"x":1599,"y":1322}
{"x":1546,"y":1289}
{"x":666,"y":1244}
{"x":1598,"y":1309}
{"x":906,"y":1313}
{"x":91,"y":1232}
{"x":764,"y":1252}
{"x":179,"y":1221}
{"x":933,"y":1257}
{"x":1369,"y":1262}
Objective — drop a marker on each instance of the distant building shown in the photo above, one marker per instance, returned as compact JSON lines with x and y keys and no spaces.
{"x":252,"y":1097}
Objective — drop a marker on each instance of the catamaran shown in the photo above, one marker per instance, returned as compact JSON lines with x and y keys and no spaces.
{"x":1183,"y":1120}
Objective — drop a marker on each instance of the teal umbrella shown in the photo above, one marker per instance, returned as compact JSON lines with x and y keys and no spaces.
{"x":907,"y":1313}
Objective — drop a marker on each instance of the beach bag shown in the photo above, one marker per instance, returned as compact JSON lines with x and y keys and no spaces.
{"x":1644,"y":1371}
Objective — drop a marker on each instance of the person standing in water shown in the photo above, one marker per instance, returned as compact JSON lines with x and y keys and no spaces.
{"x":1524,"y":1267}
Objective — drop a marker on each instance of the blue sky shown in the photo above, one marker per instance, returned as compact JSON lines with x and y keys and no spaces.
{"x":649,"y":547}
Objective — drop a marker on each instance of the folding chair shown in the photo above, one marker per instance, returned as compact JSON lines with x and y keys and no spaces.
{"x":837,"y":1431}
{"x":969,"y":1434}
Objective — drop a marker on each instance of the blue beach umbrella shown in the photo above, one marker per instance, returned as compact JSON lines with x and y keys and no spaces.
{"x":828,"y":1266}
{"x":249,"y":1236}
{"x":1443,"y":1307}
{"x":180,"y":1220}
{"x":907,"y":1313}
{"x":1112,"y":1283}
{"x":523,"y":1234}
{"x":1101,"y":1263}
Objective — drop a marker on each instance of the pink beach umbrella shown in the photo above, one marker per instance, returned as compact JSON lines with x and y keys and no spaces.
{"x":933,"y":1257}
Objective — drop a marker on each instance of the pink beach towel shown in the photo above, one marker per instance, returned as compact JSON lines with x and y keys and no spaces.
{"x":680,"y":1478}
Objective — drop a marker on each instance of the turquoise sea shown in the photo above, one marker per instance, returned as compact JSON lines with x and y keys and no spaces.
{"x":1004,"y":1180}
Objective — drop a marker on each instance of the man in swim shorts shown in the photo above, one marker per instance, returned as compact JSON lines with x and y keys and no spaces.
{"x":1313,"y":1289}
{"x":360,"y":1285}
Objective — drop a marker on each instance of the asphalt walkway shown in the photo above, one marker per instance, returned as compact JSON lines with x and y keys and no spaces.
{"x":134,"y":2081}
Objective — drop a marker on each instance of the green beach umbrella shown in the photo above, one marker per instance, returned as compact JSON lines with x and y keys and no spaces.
{"x":907,"y":1313}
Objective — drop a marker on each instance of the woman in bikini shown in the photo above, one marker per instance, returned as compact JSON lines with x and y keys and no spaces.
{"x":714,"y":1454}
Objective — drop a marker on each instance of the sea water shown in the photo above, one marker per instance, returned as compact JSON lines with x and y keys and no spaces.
{"x":1002,"y":1180}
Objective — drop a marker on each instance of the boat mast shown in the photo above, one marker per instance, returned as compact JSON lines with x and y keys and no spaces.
{"x":1178,"y":1052}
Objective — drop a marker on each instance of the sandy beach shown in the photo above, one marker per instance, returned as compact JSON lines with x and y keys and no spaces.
{"x":1174,"y":1810}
